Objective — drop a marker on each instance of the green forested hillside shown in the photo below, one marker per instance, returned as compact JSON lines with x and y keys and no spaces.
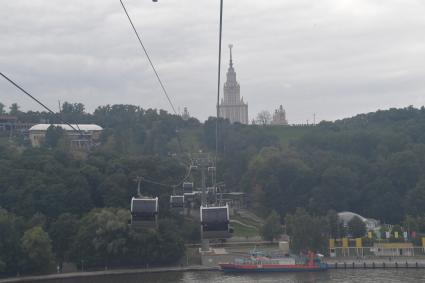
{"x":372,"y":164}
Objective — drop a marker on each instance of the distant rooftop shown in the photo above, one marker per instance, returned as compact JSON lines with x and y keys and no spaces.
{"x":82,"y":127}
{"x":346,"y":216}
{"x":8,"y":118}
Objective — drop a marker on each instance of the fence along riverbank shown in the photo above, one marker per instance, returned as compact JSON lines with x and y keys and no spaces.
{"x":376,"y":263}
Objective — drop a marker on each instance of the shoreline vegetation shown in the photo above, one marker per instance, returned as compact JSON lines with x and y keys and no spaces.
{"x":60,"y":205}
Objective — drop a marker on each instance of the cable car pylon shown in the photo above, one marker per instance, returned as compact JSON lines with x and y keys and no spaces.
{"x":214,"y":218}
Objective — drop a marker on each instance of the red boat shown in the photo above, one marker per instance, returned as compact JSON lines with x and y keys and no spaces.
{"x":258,"y":262}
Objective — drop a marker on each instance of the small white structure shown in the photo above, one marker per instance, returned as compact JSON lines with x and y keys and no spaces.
{"x":83,"y":138}
{"x":371,"y":224}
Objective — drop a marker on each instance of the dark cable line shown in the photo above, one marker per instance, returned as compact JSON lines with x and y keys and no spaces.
{"x":149,"y":59}
{"x":156,"y":73}
{"x":218,"y":85}
{"x":172,"y":186}
{"x":39,"y":102}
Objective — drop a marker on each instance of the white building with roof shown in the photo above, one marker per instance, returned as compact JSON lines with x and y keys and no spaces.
{"x":82,"y":138}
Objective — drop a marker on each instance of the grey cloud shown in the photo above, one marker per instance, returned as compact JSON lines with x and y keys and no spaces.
{"x":335,"y":58}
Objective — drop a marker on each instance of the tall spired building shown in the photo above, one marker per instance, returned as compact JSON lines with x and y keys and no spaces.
{"x":232,"y":106}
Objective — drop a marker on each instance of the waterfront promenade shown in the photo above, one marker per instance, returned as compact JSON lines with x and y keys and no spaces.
{"x":196,"y":268}
{"x":333,"y":263}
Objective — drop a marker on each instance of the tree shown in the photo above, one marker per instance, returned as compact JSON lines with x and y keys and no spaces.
{"x":62,"y":232}
{"x":306,"y":232}
{"x":102,"y":237}
{"x":171,"y":247}
{"x":38,"y":219}
{"x":10,"y":249}
{"x":415,"y":200}
{"x":272,"y":228}
{"x":264,"y":118}
{"x":2,"y":111}
{"x":37,"y":248}
{"x":356,"y":227}
{"x":333,"y":224}
{"x":14,"y":109}
{"x":273,"y":175}
{"x":53,"y":136}
{"x":337,"y":190}
{"x":68,"y":108}
{"x":414,"y":223}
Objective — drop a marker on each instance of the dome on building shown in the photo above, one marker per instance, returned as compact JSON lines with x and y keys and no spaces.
{"x":346,"y":216}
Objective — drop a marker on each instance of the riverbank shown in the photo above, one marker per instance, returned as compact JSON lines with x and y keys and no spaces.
{"x":333,"y":263}
{"x":195,"y":268}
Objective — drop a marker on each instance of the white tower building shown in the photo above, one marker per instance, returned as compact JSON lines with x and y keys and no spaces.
{"x":232,"y":106}
{"x":185,"y":115}
{"x":279,"y":117}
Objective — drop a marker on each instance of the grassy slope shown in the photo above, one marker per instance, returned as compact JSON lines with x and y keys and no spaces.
{"x":191,"y":139}
{"x":243,"y":231}
{"x":286,"y":134}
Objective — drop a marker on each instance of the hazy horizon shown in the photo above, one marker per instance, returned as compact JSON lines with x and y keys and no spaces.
{"x":336,"y":58}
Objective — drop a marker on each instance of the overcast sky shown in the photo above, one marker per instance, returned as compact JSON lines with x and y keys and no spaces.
{"x":335,"y":58}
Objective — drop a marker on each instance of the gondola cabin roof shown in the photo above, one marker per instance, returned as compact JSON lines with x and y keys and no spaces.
{"x":214,"y":213}
{"x":144,"y":205}
{"x":188,"y":185}
{"x":177,"y":199}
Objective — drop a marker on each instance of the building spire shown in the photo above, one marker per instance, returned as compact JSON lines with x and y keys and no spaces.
{"x":230,"y":47}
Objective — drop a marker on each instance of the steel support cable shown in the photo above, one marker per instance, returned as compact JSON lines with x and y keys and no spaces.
{"x":218,"y":85}
{"x":149,"y":59}
{"x":154,"y":70}
{"x":172,"y":186}
{"x":40,"y":103}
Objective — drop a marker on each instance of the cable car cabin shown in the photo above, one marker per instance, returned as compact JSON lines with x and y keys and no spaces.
{"x":215,"y":222}
{"x":144,"y":212}
{"x":177,"y":203}
{"x":189,"y":197}
{"x":187,"y":187}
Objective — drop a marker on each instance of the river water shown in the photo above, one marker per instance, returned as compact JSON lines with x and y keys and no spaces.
{"x":340,"y":276}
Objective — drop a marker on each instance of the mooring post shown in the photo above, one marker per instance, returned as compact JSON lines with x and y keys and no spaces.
{"x":364,"y":265}
{"x":383,"y":265}
{"x":373,"y":265}
{"x":396,"y":264}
